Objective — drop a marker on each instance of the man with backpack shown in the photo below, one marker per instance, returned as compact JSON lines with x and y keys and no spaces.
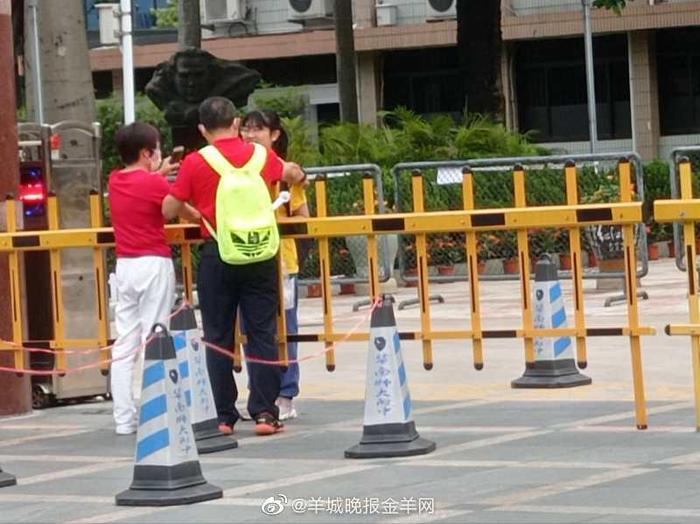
{"x":227,"y":182}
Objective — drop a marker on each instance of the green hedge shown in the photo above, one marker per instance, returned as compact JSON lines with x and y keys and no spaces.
{"x":407,"y":137}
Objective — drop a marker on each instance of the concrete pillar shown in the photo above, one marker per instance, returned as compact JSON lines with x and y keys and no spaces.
{"x":368,"y":87}
{"x":644,"y":96}
{"x":16,"y":392}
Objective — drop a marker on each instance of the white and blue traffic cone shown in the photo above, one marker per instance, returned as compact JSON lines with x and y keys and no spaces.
{"x":167,"y":470}
{"x":554,"y":365}
{"x":191,"y":357}
{"x":6,"y":479}
{"x":389,"y":429}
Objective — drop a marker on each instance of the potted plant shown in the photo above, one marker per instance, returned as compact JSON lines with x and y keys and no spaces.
{"x":660,"y":238}
{"x":545,"y":242}
{"x":509,"y":251}
{"x":342,"y":265}
{"x":562,"y":248}
{"x":653,"y":250}
{"x":444,"y":254}
{"x":489,"y":254}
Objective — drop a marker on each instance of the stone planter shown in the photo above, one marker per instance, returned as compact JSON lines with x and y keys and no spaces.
{"x":493,"y":266}
{"x":387,"y":246}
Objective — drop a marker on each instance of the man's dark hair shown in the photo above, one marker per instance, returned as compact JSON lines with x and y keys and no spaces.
{"x":132,"y":138}
{"x":216,"y":112}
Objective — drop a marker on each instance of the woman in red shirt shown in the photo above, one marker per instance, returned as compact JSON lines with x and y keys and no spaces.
{"x":145,"y":275}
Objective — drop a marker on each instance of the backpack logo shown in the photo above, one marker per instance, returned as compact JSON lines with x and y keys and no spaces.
{"x":256,"y":243}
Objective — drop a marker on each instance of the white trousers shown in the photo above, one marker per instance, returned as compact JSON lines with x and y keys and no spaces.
{"x":145,"y":296}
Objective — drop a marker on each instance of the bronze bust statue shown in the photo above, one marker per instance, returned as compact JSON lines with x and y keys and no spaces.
{"x":179,"y":85}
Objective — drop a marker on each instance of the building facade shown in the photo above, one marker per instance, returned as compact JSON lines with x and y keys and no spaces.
{"x":647,"y":62}
{"x":647,"y":67}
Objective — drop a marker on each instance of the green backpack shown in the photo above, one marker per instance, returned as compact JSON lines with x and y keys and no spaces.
{"x":246,"y":226}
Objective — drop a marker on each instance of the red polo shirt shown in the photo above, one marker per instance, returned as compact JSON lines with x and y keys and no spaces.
{"x":197,"y":182}
{"x":135,"y":199}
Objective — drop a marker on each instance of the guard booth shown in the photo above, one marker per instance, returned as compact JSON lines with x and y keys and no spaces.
{"x":59,"y":187}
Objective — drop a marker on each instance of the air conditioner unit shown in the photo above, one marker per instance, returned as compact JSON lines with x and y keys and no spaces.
{"x":387,"y":14}
{"x":300,"y":10}
{"x":108,"y":16}
{"x":221,"y":11}
{"x":440,"y":9}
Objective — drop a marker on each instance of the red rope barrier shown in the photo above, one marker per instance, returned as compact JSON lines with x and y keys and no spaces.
{"x":318,"y":354}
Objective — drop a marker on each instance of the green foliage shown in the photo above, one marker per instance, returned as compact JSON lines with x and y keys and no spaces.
{"x":302,"y":149}
{"x":110,"y":114}
{"x":167,"y":16}
{"x":615,"y":5}
{"x":288,"y":102}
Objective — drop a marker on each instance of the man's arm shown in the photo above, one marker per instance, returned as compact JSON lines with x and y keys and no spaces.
{"x":172,"y":207}
{"x":190,"y":214}
{"x":292,"y":174}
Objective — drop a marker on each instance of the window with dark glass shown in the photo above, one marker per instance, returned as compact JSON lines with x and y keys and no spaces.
{"x":550,"y":78}
{"x":678,"y":70}
{"x":424,"y":80}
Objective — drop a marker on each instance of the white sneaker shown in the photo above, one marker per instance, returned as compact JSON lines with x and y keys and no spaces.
{"x":126,"y":429}
{"x":286,"y":406}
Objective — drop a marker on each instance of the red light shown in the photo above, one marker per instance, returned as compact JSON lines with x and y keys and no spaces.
{"x":32,"y":193}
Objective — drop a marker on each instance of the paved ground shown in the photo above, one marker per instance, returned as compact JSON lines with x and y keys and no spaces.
{"x":503,"y":455}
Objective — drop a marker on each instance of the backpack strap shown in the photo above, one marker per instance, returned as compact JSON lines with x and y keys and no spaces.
{"x":219,"y":163}
{"x":216,"y":159}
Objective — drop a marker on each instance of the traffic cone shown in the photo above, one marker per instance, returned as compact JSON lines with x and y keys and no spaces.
{"x":167,"y":471}
{"x":191,"y":357}
{"x":6,"y":479}
{"x":389,"y":429}
{"x":554,"y":366}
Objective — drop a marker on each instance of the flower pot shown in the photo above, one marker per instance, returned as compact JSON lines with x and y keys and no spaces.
{"x":347,"y":289}
{"x":653,"y":251}
{"x":511,"y":266}
{"x":313,"y":290}
{"x":564,"y":261}
{"x":481,"y":267}
{"x":446,"y":271}
{"x":592,"y":260}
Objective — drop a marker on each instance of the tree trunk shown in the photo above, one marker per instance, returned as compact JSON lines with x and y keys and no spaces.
{"x":65,"y":65}
{"x":16,"y":397}
{"x":189,"y":32}
{"x":345,"y":61}
{"x":66,"y":83}
{"x":479,"y":46}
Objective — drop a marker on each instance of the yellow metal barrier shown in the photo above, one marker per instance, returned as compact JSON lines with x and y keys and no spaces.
{"x":520,"y":218}
{"x":573,"y":217}
{"x":686,"y":211}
